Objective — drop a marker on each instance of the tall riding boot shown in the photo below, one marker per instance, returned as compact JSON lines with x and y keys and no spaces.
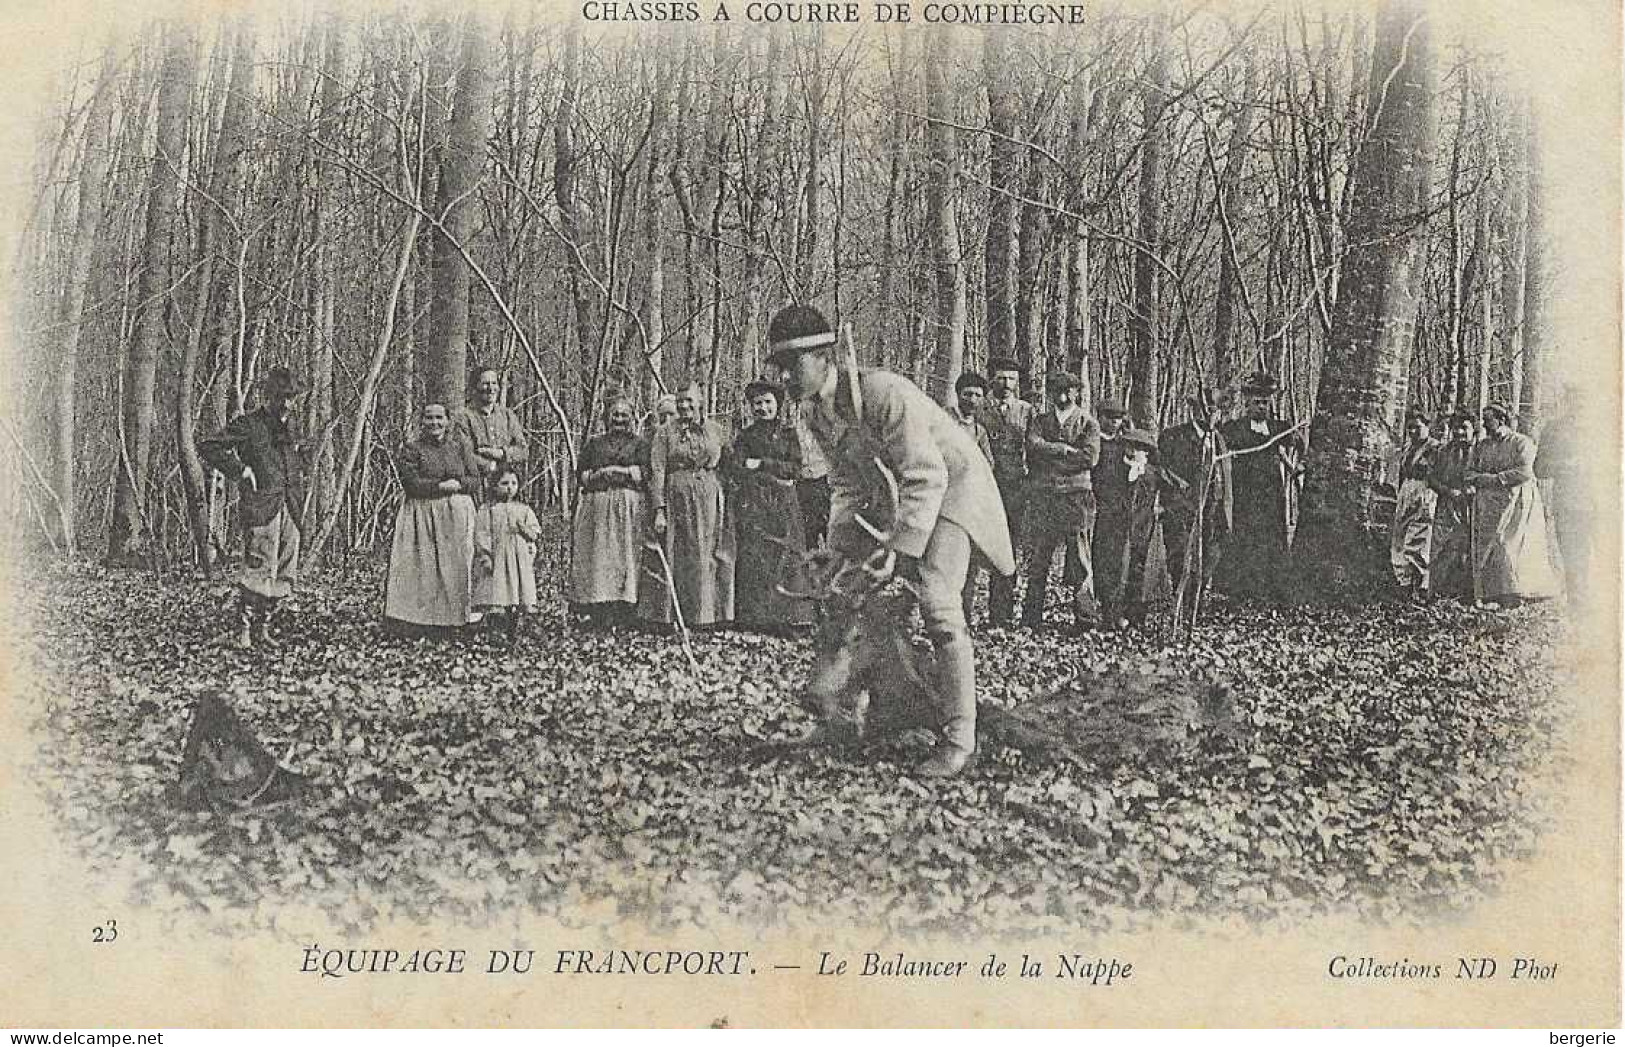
{"x":244,"y":639}
{"x":262,"y":623}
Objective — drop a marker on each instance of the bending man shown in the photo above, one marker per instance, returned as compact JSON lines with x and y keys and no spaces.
{"x":947,"y":499}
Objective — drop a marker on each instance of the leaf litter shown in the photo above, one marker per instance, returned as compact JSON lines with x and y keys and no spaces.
{"x":1386,"y":763}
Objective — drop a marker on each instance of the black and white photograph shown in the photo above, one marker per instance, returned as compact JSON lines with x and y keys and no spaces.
{"x":785,"y":513}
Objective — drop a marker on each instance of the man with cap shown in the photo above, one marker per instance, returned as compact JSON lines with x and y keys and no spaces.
{"x":1107,"y":475}
{"x":947,"y":501}
{"x":970,"y":393}
{"x":1267,"y":469}
{"x":1007,"y":417}
{"x":492,"y":428}
{"x":263,"y":453}
{"x":1410,"y":535}
{"x":1127,"y":556}
{"x":1450,"y":570}
{"x":1192,"y":470}
{"x":1063,"y":445}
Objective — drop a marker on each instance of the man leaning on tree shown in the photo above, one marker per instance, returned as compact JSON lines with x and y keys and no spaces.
{"x":262,"y":452}
{"x":947,"y":500}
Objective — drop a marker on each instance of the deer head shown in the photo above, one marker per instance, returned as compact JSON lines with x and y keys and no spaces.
{"x":864,"y":615}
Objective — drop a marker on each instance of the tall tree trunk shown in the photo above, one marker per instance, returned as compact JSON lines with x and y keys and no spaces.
{"x":1534,"y":289}
{"x":814,"y":88}
{"x":227,"y":319}
{"x":1232,"y":197}
{"x":93,"y":165}
{"x":1510,"y":176}
{"x":1455,"y":306}
{"x":1144,"y":363}
{"x":1367,"y":369}
{"x":943,"y":192}
{"x":325,"y":274}
{"x":1004,"y":164}
{"x":654,"y":303}
{"x":456,"y":202}
{"x":1079,"y":290}
{"x":138,"y":414}
{"x":1031,"y":246}
{"x":897,"y":199}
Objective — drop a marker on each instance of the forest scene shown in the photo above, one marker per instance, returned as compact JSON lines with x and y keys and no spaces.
{"x":1166,"y":204}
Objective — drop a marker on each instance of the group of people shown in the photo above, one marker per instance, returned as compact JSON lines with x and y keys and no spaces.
{"x":681,"y":522}
{"x":464,"y":547}
{"x":685,"y":524}
{"x":1123,"y":502}
{"x":1470,"y":521}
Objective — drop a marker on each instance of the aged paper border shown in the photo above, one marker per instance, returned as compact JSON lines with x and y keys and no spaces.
{"x":1563,"y":906}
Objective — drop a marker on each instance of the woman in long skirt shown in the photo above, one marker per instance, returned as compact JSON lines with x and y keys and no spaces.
{"x":761,"y":469}
{"x":609,"y":520}
{"x":689,"y":521}
{"x":430,"y":562}
{"x":1512,"y":561}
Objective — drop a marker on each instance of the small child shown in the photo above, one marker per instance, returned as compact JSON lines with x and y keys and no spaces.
{"x":505,"y":536}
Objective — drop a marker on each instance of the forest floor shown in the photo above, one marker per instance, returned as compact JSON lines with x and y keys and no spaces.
{"x":1394,"y":763}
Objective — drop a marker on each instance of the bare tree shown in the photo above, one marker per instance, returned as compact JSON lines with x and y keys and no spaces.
{"x":1367,"y":369}
{"x":460,"y":168}
{"x":138,"y":415}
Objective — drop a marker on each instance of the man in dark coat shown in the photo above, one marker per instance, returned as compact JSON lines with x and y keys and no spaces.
{"x":1182,"y":451}
{"x":1007,"y":417}
{"x":1063,"y":445}
{"x":947,"y":502}
{"x":1267,"y":469}
{"x":1450,"y":562}
{"x":263,"y":453}
{"x":1127,"y":550}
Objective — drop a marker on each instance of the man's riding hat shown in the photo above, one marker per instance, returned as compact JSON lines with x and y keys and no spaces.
{"x":794,"y":330}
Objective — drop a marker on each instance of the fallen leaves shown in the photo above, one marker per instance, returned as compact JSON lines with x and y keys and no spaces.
{"x":1385,"y":764}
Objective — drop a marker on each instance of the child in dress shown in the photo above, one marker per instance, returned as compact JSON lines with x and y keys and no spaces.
{"x":505,"y":535}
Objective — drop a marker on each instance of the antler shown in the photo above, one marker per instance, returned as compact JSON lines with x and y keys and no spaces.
{"x":883,"y":538}
{"x":850,"y":578}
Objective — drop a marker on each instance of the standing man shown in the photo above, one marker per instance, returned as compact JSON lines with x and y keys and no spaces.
{"x":1110,"y":480}
{"x":492,"y":429}
{"x":1450,"y":566}
{"x":970,"y":393}
{"x":1183,"y":450}
{"x":1410,"y":538}
{"x":947,"y":500}
{"x":262,"y":452}
{"x":1063,"y":445}
{"x":1007,"y":417}
{"x":1267,"y":467}
{"x":1129,"y":574}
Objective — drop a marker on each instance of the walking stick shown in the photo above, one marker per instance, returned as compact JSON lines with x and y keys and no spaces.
{"x":676,"y":607}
